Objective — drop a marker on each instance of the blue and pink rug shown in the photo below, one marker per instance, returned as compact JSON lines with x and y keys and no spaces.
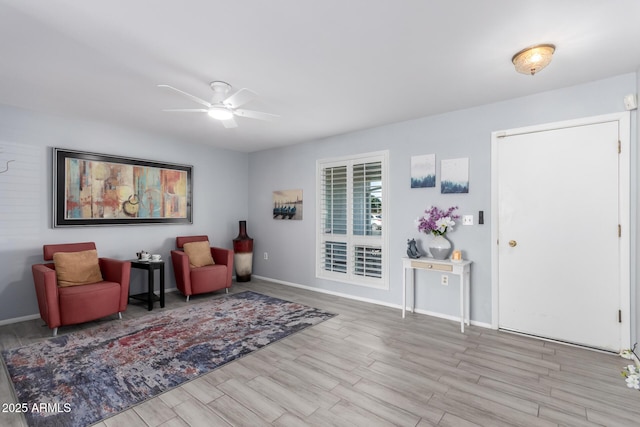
{"x":81,"y":378}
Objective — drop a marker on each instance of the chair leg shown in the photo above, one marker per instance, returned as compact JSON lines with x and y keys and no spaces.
{"x":55,"y":331}
{"x":120,"y":315}
{"x":187,"y":298}
{"x":226,"y":290}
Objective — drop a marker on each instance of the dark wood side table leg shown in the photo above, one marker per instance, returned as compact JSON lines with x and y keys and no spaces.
{"x":162,"y":285}
{"x":151,"y":286}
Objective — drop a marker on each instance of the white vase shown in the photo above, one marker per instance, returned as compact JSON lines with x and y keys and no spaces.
{"x":440,"y":247}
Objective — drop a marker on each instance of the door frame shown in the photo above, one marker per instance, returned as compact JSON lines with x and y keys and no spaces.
{"x":624,"y":197}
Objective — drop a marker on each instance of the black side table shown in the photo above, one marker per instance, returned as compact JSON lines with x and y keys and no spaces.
{"x":150,"y":297}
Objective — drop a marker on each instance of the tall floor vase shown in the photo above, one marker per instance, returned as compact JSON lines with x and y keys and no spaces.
{"x":243,"y":254}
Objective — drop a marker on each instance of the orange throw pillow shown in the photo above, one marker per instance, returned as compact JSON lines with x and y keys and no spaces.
{"x":77,"y":268}
{"x":199,"y":254}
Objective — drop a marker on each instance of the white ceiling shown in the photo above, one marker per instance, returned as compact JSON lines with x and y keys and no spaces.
{"x":326,"y":67}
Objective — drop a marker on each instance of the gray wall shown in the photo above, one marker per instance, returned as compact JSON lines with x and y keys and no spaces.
{"x":220,"y":181}
{"x":463,"y":133}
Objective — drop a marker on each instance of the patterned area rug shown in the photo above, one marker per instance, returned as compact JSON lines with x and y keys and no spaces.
{"x":81,"y":378}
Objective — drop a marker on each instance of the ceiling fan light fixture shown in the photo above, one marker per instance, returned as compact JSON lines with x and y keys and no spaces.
{"x":222,"y":107}
{"x":533,"y":59}
{"x":220,"y":113}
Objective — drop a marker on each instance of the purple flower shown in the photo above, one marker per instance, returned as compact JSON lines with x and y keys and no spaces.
{"x":437,"y":221}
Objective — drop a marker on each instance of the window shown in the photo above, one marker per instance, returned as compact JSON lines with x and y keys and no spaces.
{"x":352,"y":237}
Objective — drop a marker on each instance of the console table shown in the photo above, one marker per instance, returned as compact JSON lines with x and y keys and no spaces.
{"x":460,"y":268}
{"x":150,"y":296}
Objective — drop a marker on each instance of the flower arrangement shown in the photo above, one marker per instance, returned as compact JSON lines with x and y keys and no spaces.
{"x":436,"y":221}
{"x":631,"y":373}
{"x":632,"y":376}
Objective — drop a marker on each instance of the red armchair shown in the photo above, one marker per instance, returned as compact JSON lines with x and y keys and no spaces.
{"x":60,"y":306}
{"x":198,"y":280}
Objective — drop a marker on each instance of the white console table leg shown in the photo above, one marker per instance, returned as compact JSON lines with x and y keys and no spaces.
{"x":467,"y":297}
{"x":413,"y":290}
{"x":404,"y":290}
{"x":462,"y":308}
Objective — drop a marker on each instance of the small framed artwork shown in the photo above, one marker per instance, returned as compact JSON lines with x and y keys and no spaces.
{"x":423,"y":171}
{"x":454,"y":176}
{"x":287,"y":204}
{"x":100,"y":189}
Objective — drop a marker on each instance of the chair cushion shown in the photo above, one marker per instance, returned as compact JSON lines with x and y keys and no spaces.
{"x":77,"y":268}
{"x":79,"y":304}
{"x":199,"y":254}
{"x":208,"y":279}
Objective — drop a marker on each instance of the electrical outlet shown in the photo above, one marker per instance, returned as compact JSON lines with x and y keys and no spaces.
{"x":266,"y":255}
{"x":467,"y":220}
{"x":444,"y":280}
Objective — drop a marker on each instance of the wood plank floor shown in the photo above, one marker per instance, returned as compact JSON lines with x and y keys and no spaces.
{"x":369,"y":367}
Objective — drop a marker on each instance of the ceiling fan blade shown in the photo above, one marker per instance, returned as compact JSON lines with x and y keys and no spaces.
{"x":229,"y":123}
{"x":239,"y":98}
{"x":188,"y":95}
{"x":186,"y":110}
{"x":255,"y":114}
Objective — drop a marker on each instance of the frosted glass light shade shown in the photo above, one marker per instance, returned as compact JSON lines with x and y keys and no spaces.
{"x":533,"y":59}
{"x":220,"y":113}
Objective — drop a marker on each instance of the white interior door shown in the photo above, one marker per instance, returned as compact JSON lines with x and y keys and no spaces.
{"x":558,"y":243}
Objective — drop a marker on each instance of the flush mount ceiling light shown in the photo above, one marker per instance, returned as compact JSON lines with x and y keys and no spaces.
{"x":533,"y":59}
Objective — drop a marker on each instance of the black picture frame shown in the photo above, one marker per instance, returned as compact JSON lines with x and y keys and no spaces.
{"x":91,"y":189}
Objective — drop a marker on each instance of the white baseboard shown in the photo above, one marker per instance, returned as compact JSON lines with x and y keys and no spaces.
{"x":308,"y":288}
{"x":371,"y":301}
{"x":19,"y":319}
{"x":37,"y":316}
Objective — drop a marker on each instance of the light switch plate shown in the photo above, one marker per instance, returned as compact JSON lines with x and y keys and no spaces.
{"x":467,"y":220}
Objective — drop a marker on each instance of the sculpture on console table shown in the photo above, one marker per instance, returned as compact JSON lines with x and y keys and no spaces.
{"x":412,"y":249}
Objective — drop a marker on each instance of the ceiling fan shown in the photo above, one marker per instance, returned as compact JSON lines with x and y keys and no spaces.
{"x":223,"y":107}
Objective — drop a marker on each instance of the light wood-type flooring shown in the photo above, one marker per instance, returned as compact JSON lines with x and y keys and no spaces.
{"x":369,"y":367}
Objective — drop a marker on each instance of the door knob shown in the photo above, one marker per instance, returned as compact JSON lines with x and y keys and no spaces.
{"x":513,"y":243}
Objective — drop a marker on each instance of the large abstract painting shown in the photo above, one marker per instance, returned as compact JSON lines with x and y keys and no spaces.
{"x":98,"y":189}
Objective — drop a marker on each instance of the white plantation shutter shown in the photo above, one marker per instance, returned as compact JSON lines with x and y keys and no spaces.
{"x":334,"y":218}
{"x":368,"y":261}
{"x":334,"y":198}
{"x":351,"y":220}
{"x":367,"y":182}
{"x":335,"y":256}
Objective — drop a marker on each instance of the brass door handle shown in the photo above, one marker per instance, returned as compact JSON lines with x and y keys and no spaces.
{"x":513,"y":243}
